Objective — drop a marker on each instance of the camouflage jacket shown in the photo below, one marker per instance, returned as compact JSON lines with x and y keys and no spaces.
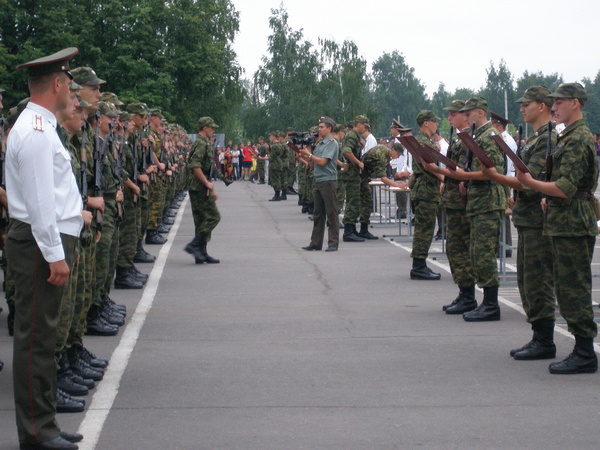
{"x":278,"y":159}
{"x":574,"y":170}
{"x":427,"y":185}
{"x":527,"y":211}
{"x":486,"y":196}
{"x":376,"y":161}
{"x":451,"y":197}
{"x":351,"y":144}
{"x":200,"y":156}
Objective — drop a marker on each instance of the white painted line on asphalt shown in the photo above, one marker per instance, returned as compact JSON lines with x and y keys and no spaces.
{"x":502,"y":300}
{"x":107,"y":391}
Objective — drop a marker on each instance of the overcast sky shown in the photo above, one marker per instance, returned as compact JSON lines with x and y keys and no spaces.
{"x":445,"y":41}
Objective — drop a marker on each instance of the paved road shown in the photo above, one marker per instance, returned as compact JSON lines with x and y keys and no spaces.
{"x":277,"y":348}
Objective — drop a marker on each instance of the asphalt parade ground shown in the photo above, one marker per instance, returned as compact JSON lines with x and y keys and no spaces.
{"x":279,"y":348}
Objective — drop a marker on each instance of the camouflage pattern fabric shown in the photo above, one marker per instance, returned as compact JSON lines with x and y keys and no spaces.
{"x":425,"y":214}
{"x":485,"y":233}
{"x":351,"y":179}
{"x":427,"y":185}
{"x":458,"y":235}
{"x":205,"y":213}
{"x":104,"y":247}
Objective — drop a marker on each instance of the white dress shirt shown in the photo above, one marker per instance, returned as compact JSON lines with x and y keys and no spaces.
{"x":370,"y":142}
{"x":510,"y":169}
{"x":404,"y":163}
{"x":40,"y":183}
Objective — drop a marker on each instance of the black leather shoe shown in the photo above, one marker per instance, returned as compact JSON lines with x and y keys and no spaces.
{"x":71,"y":437}
{"x":67,"y":404}
{"x":56,"y":443}
{"x":574,"y":364}
{"x":424,"y":273}
{"x":127,"y":281}
{"x":121,"y":308}
{"x":352,"y":237}
{"x":364,"y":232}
{"x":98,"y":327}
{"x":153,"y":238}
{"x":168,"y":221}
{"x":82,"y":369}
{"x":170,"y":213}
{"x":137,"y":274}
{"x":164,"y":229}
{"x":110,"y":317}
{"x":483,"y":313}
{"x":331,"y":249}
{"x":275,"y":198}
{"x":537,"y":350}
{"x":462,"y":307}
{"x":310,"y":248}
{"x":83,"y":381}
{"x":90,"y":358}
{"x":452,"y":303}
{"x":65,"y":383}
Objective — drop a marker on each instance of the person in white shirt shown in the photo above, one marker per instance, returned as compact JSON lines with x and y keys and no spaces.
{"x":403,"y":165}
{"x":370,"y":141}
{"x":46,"y":220}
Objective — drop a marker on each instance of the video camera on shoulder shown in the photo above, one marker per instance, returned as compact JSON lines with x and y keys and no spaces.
{"x":304,"y":139}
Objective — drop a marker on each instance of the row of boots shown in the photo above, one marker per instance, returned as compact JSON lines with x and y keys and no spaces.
{"x":582,"y":359}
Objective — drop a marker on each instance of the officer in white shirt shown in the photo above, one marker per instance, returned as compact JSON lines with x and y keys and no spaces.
{"x":403,"y":165}
{"x":46,"y":221}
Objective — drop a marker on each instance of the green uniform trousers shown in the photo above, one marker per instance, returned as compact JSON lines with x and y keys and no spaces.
{"x":205,"y":213}
{"x":425,"y":215}
{"x":485,"y":234}
{"x":458,"y":235}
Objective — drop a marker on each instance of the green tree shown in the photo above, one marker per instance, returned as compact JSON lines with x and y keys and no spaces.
{"x":591,"y":109}
{"x":499,"y":85}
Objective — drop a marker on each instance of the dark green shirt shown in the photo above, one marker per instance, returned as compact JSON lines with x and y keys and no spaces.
{"x":574,"y":169}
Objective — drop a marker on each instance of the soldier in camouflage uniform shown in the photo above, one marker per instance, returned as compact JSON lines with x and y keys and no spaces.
{"x":339,"y":131}
{"x":571,"y":224}
{"x":376,"y":162}
{"x":458,"y":224}
{"x":260,"y":160}
{"x":202,"y":192}
{"x":291,"y":168}
{"x":351,"y":150}
{"x":425,"y":195}
{"x":486,"y":203}
{"x":534,"y":251}
{"x":277,"y":166}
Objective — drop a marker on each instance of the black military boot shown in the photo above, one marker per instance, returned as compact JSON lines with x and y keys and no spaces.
{"x":194,"y":248}
{"x":465,"y":301}
{"x":92,"y":360}
{"x":96,"y":326}
{"x":138,"y":274}
{"x":124,"y":280}
{"x":111,"y":316}
{"x":276,"y":197}
{"x":142,"y":256}
{"x":350,"y":234}
{"x":10,"y":320}
{"x":153,"y":238}
{"x":121,"y":308}
{"x":67,"y":404}
{"x":163,"y":229}
{"x":582,"y":360}
{"x":290,"y":191}
{"x":283,"y":195}
{"x":82,"y":368}
{"x":489,"y":309}
{"x":420,"y":271}
{"x":64,"y":380}
{"x":170,"y":213}
{"x":168,"y":221}
{"x":364,"y":232}
{"x":209,"y":259}
{"x":541,"y":345}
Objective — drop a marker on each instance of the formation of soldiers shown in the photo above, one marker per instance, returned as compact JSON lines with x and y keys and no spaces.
{"x":129,"y":163}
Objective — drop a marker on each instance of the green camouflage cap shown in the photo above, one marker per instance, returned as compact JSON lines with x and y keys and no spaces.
{"x":313,"y":130}
{"x":125,"y":116}
{"x":137,"y":108}
{"x":338,"y":128}
{"x":261,"y":137}
{"x":155,"y":113}
{"x":281,"y":134}
{"x":273,"y":133}
{"x":82,"y":102}
{"x":108,"y":109}
{"x":571,"y":90}
{"x":475,"y":103}
{"x":15,"y":112}
{"x":74,"y":86}
{"x":112,"y":98}
{"x":86,"y":76}
{"x":425,"y":115}
{"x":206,"y":122}
{"x":290,"y":130}
{"x":539,"y":94}
{"x":361,"y":119}
{"x":456,"y":105}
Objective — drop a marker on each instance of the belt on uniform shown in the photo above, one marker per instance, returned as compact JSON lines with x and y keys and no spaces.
{"x":482,"y":182}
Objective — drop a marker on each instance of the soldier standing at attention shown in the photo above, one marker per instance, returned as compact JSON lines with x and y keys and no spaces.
{"x":277,"y":166}
{"x":46,"y":219}
{"x":425,"y":195}
{"x":260,"y":160}
{"x":202,"y":192}
{"x":534,"y":251}
{"x":351,"y":149}
{"x":571,"y":225}
{"x":486,"y":203}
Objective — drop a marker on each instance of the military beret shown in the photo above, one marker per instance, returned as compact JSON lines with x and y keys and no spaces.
{"x":206,"y":122}
{"x":107,"y":109}
{"x":456,"y":105}
{"x":475,"y":103}
{"x":137,"y":108}
{"x":57,"y":62}
{"x":497,"y":118}
{"x":571,"y":90}
{"x":86,"y":76}
{"x":540,"y":94}
{"x":425,"y":115}
{"x":82,"y":102}
{"x":361,"y":119}
{"x":111,"y":97}
{"x":327,"y":120}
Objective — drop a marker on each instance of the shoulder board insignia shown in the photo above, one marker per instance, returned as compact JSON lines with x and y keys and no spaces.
{"x":38,"y":122}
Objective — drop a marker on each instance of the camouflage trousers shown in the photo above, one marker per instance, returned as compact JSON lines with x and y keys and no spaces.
{"x":144,"y":216}
{"x":291,"y":175}
{"x":278,"y":179}
{"x":425,"y":215}
{"x":260,"y":170}
{"x":107,"y":249}
{"x":309,"y":197}
{"x":572,"y":258}
{"x":485,"y":235}
{"x":534,"y":274}
{"x":79,"y":323}
{"x":156,"y":203}
{"x":458,"y":233}
{"x":205,"y":213}
{"x":169,"y":194}
{"x":128,"y":231}
{"x":302,"y":180}
{"x":366,"y":201}
{"x":352,"y":188}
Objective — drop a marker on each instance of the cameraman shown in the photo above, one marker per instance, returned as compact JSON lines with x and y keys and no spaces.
{"x":324,"y":162}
